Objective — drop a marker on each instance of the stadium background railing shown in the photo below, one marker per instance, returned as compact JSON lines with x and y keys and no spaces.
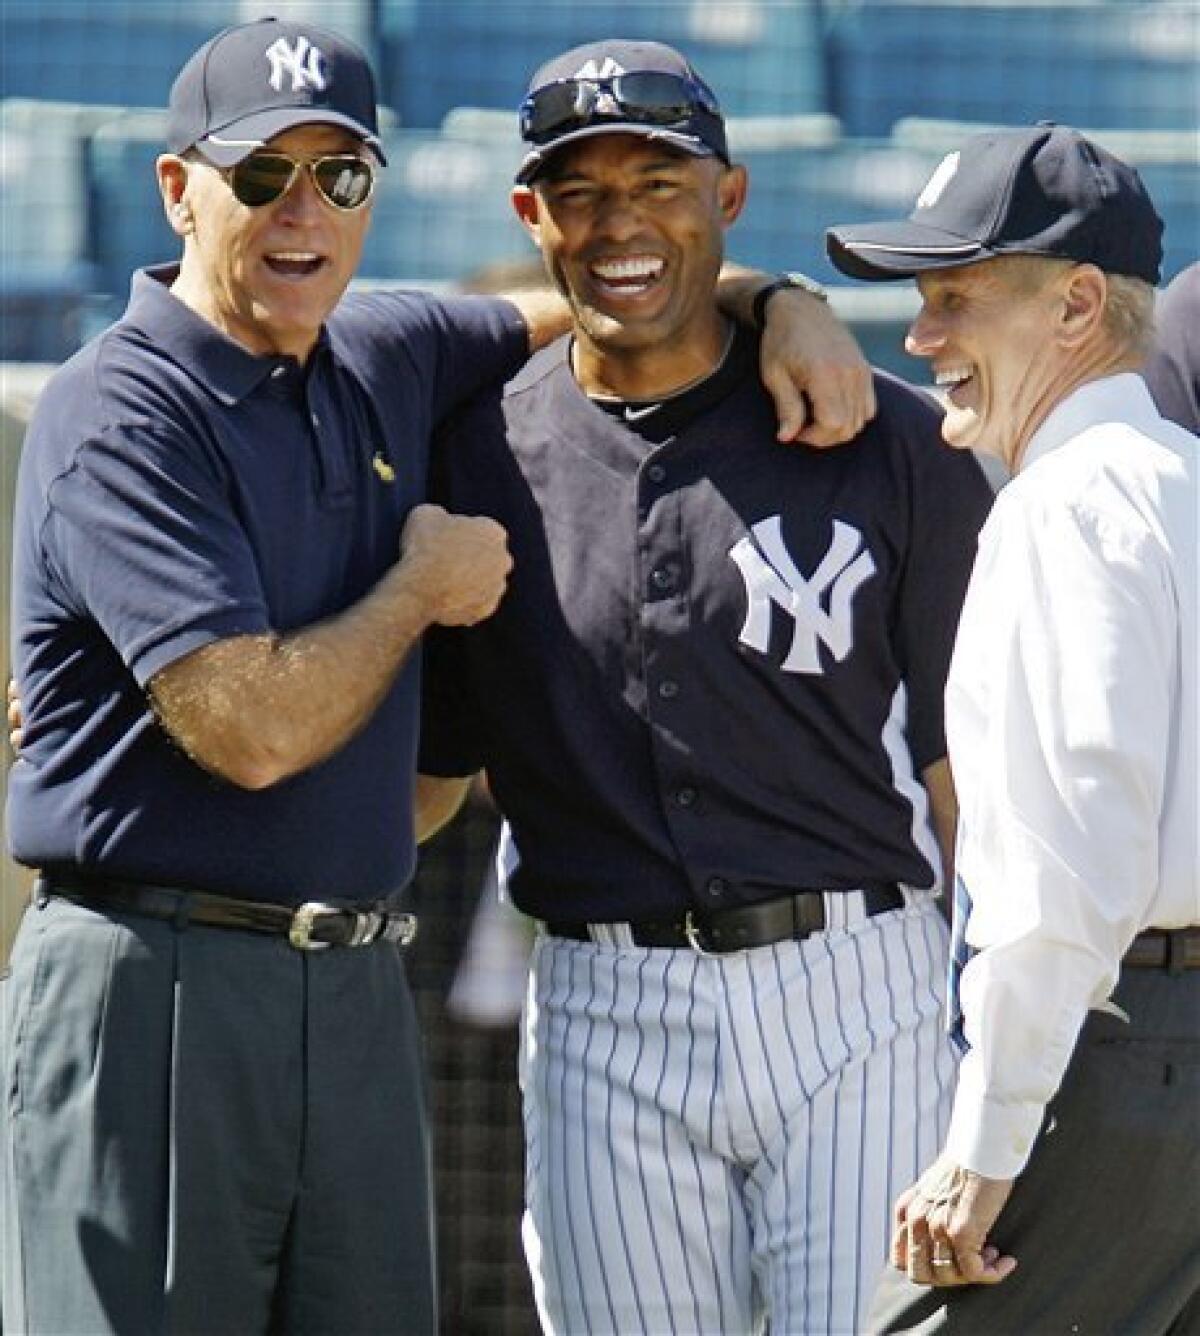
{"x":840,"y":108}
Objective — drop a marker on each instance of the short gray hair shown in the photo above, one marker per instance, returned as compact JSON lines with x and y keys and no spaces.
{"x":1128,"y":305}
{"x":1129,"y":313}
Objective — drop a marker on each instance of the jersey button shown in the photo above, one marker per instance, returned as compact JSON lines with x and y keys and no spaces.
{"x":685,"y":797}
{"x":656,"y":473}
{"x":668,"y":689}
{"x":716,"y":887}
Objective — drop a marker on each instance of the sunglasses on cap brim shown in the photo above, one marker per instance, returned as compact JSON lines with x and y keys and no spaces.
{"x":645,"y":98}
{"x":343,"y":180}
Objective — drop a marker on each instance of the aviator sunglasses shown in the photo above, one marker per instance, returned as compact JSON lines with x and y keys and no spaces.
{"x":646,"y":98}
{"x":342,"y":179}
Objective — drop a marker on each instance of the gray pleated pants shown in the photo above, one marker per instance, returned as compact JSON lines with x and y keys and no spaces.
{"x":206,"y":1131}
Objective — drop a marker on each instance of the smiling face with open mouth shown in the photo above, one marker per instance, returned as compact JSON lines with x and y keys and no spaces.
{"x":270,"y":276}
{"x":987,"y":329}
{"x":632,"y":232}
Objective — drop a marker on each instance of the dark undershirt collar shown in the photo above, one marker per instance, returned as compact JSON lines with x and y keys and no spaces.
{"x":657,"y":420}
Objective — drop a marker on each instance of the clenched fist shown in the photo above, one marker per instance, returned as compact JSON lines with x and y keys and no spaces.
{"x":457,"y":564}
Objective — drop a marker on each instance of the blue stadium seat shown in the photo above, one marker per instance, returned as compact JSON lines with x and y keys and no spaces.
{"x":1134,"y":65}
{"x":762,"y":57}
{"x":128,"y":227}
{"x":43,"y":218}
{"x":44,"y":318}
{"x":795,"y":194}
{"x":442,"y":210}
{"x":115,"y":51}
{"x":45,"y":269}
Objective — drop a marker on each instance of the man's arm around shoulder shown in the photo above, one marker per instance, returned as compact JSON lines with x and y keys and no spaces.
{"x":811,"y":365}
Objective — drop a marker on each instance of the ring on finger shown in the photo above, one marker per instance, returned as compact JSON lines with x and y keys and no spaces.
{"x":943,"y":1261}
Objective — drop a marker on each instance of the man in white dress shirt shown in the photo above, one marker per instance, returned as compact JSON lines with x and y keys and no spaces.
{"x":1070,"y":1177}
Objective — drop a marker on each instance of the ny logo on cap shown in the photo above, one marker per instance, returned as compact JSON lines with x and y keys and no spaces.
{"x":773,"y":580}
{"x":938,"y":182}
{"x":304,"y":62}
{"x":608,"y":68}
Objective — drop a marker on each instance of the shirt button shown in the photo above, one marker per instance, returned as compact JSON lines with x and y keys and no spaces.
{"x":663,"y":577}
{"x":668,"y":689}
{"x":685,"y":797}
{"x":716,"y":887}
{"x":656,"y":473}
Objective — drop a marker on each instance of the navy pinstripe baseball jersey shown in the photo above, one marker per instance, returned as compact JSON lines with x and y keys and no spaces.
{"x":717,"y":674}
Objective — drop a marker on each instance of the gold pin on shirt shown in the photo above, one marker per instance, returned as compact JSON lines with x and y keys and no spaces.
{"x":383,"y":468}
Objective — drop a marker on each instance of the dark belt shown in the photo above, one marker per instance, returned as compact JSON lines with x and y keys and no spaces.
{"x":1171,"y":949}
{"x":788,"y":918}
{"x":312,"y":926}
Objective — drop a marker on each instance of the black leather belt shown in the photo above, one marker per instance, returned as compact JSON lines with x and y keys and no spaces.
{"x":312,"y":926}
{"x":1164,"y":949}
{"x":788,"y":918}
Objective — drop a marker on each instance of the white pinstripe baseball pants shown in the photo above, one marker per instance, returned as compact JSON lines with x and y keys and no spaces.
{"x":714,"y":1140}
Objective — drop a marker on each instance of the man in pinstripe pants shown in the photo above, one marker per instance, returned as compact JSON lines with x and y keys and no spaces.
{"x":710,"y":706}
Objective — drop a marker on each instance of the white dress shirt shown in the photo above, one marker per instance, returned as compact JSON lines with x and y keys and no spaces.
{"x":1073,"y":734}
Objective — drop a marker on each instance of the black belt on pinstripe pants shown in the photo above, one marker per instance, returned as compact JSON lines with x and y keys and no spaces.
{"x":786,"y":918}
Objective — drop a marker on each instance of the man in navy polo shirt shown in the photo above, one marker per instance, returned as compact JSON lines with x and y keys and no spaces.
{"x":221,"y":566}
{"x":706,"y":705}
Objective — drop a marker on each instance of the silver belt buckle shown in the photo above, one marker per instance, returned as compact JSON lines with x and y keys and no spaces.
{"x":399,"y":928}
{"x":692,"y":933}
{"x":305,"y":919}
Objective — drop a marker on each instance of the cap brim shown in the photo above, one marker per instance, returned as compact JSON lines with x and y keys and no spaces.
{"x":881,"y":251}
{"x":227,"y":146}
{"x":537,"y":158}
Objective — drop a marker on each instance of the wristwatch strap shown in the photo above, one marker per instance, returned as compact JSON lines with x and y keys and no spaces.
{"x":777,"y":284}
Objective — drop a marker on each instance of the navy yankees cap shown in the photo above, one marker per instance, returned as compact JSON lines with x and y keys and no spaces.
{"x":1040,"y":190}
{"x":619,"y":86}
{"x":252,"y":82}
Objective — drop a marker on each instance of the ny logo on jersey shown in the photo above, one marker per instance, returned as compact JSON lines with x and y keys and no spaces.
{"x":304,"y":62}
{"x":820,"y":606}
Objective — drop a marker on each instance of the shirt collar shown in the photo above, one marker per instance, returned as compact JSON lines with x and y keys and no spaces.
{"x":1123,"y":397}
{"x":223,"y":366}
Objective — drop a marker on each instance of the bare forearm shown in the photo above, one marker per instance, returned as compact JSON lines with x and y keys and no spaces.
{"x":811,"y":365}
{"x":257,"y":709}
{"x":545,"y":313}
{"x":737,"y":288}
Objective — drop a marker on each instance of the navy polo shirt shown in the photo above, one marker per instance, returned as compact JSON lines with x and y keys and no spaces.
{"x":718,"y":671}
{"x":175,"y":490}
